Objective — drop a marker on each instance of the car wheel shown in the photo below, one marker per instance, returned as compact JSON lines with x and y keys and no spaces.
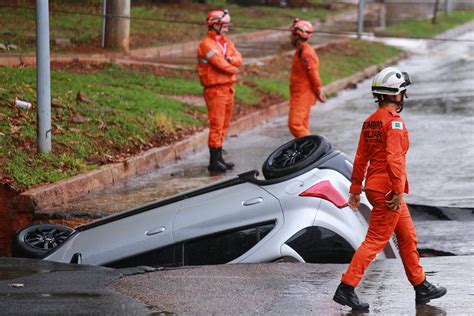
{"x":34,"y":241}
{"x":294,"y":156}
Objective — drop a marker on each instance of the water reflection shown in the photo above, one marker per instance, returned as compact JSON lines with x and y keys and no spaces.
{"x":420,"y":310}
{"x":428,"y":310}
{"x":12,"y":268}
{"x":29,"y":296}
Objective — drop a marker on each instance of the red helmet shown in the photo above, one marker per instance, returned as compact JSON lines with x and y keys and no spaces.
{"x":303,"y":28}
{"x":219,"y":17}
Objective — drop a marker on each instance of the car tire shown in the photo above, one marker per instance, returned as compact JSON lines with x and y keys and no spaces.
{"x":295,"y":156}
{"x":36,"y":240}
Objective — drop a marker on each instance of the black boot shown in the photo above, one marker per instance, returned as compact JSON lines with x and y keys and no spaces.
{"x":427,"y":291}
{"x":229,"y":165}
{"x":345,"y":295}
{"x":215,"y":163}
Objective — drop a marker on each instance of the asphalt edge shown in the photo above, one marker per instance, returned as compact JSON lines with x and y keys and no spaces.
{"x":60,"y":192}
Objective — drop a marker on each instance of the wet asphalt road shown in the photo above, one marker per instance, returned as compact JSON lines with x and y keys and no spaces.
{"x":45,"y":288}
{"x":300,"y":289}
{"x":33,"y":287}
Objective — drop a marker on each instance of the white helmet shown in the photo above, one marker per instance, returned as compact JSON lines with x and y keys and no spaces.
{"x":390,"y":81}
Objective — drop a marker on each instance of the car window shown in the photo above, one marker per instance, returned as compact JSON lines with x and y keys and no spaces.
{"x":212,"y":249}
{"x":163,"y":257}
{"x":223,"y":247}
{"x":320,"y":245}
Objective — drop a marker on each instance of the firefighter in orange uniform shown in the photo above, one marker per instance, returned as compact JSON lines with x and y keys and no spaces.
{"x":305,"y":84}
{"x":383,"y":144}
{"x":218,"y":64}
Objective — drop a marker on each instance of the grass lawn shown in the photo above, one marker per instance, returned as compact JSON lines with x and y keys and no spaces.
{"x":336,"y":62}
{"x":424,"y":28}
{"x":151,"y":25}
{"x":105,"y":113}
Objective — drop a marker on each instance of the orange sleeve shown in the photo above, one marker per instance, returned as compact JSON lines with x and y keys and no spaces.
{"x":209,"y":54}
{"x":396,"y":168}
{"x":311,"y":65}
{"x":236,"y":57}
{"x":360,"y":166}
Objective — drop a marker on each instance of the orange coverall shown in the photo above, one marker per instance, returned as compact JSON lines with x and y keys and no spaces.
{"x":218,"y":62}
{"x":383,"y":144}
{"x":305,"y":85}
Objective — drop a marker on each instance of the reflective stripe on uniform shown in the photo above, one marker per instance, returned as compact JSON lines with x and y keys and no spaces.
{"x":210,"y":54}
{"x":207,"y":57}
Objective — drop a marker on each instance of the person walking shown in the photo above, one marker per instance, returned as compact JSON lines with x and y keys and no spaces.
{"x":383,"y":144}
{"x":305,"y":84}
{"x":218,"y":64}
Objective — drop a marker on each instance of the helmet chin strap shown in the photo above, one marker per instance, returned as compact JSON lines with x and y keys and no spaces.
{"x":217,"y":28}
{"x":387,"y":98}
{"x":400,"y":103}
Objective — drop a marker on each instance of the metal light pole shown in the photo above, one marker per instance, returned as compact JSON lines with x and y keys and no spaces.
{"x":360,"y":19}
{"x":104,"y":12}
{"x":43,"y":77}
{"x":448,"y":7}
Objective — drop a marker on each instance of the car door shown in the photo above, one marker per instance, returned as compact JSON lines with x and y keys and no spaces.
{"x":221,"y":225}
{"x":121,"y":238}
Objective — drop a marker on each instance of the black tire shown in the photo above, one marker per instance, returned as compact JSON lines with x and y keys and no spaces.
{"x":294,"y":156}
{"x":36,"y":240}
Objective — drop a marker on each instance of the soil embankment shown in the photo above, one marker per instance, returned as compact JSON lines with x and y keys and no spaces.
{"x":10,"y":219}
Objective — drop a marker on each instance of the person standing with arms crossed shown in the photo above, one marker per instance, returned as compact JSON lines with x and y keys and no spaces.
{"x":383,"y":144}
{"x":305,"y":84}
{"x":218,"y":64}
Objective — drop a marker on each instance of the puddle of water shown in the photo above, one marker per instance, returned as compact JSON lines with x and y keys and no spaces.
{"x":50,"y":295}
{"x":12,"y":268}
{"x":13,"y":272}
{"x":7,"y":274}
{"x":433,"y":253}
{"x":161,"y":313}
{"x":428,"y":310}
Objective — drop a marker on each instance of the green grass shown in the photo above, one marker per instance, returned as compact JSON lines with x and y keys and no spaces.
{"x":356,"y":56}
{"x":335,"y":63}
{"x":53,"y":168}
{"x":125,"y":111}
{"x":151,"y":25}
{"x":246,"y":95}
{"x":424,"y":28}
{"x":274,"y":86}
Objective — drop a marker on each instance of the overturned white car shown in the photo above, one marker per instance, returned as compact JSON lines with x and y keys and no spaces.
{"x":298,"y":212}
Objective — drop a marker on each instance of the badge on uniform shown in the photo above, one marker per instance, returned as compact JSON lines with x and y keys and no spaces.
{"x":397,"y":125}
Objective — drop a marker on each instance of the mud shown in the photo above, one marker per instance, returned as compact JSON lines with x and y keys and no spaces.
{"x":11,"y":220}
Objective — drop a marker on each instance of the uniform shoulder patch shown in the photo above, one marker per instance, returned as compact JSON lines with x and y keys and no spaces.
{"x":397,"y":125}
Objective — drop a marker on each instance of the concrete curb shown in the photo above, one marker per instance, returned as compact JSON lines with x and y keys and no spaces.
{"x":79,"y":185}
